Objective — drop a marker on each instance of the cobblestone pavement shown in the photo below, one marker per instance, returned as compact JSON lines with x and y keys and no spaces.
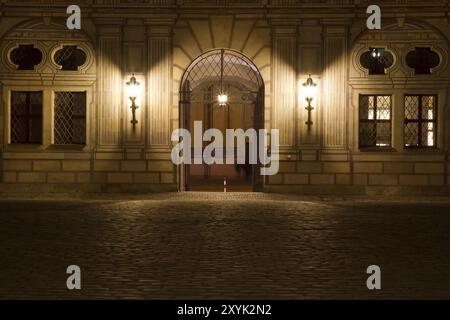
{"x":225,"y":246}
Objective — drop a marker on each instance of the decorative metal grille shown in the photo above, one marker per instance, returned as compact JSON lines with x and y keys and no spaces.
{"x":420,"y":120}
{"x":377,"y":64}
{"x":70,"y":118}
{"x":26,"y":117}
{"x":70,"y":58}
{"x":201,"y":85}
{"x":26,"y":57}
{"x":236,"y":69}
{"x":374,"y":121}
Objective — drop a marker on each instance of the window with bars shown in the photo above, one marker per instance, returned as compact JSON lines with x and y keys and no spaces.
{"x":26,"y":57}
{"x":26,"y":117}
{"x":70,"y":118}
{"x":377,"y":60}
{"x":70,"y":58}
{"x":375,"y":121}
{"x":420,"y":121}
{"x":422,"y":60}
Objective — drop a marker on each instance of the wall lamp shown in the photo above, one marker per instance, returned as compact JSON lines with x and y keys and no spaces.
{"x":310,"y":93}
{"x":133,"y":91}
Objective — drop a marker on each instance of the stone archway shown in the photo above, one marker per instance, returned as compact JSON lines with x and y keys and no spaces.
{"x":222,"y":71}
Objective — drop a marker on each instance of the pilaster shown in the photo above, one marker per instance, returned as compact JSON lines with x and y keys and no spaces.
{"x":335,"y":85}
{"x":110,"y":83}
{"x":159,"y":75}
{"x":284,"y":81}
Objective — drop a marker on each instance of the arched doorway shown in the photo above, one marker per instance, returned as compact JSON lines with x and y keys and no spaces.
{"x":237,"y":80}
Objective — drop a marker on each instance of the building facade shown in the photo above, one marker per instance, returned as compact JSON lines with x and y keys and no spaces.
{"x":380,"y":122}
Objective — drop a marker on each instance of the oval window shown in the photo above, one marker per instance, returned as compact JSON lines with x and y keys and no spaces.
{"x":70,"y":58}
{"x":422,"y":60}
{"x":26,"y":57}
{"x":376,"y":60}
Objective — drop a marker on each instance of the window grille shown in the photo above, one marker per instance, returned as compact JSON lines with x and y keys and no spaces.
{"x":26,"y":57}
{"x":208,"y":70}
{"x":375,"y":121}
{"x":26,"y":117}
{"x":70,"y":58}
{"x":420,"y":121}
{"x":422,"y":60}
{"x":70,"y":118}
{"x":377,"y":60}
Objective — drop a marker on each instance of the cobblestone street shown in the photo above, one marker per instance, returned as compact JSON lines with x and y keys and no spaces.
{"x":244,"y":246}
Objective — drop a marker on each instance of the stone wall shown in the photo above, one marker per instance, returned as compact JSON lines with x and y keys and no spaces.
{"x":377,"y":174}
{"x":64,"y":172}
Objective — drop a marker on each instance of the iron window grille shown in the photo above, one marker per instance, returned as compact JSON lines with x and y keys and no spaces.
{"x":26,"y":117}
{"x":70,"y":58}
{"x":26,"y":57}
{"x":207,"y":70}
{"x":377,"y":60}
{"x":422,"y":60}
{"x":70,"y":118}
{"x":375,"y":126}
{"x":420,"y":121}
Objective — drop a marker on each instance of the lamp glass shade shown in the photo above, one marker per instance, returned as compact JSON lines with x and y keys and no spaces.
{"x":310,"y":89}
{"x":133,"y":88}
{"x":310,"y":92}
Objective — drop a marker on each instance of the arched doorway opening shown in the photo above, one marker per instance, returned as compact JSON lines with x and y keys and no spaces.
{"x":229,"y":74}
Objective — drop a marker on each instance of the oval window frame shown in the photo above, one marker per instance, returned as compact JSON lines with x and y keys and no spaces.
{"x":81,"y":46}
